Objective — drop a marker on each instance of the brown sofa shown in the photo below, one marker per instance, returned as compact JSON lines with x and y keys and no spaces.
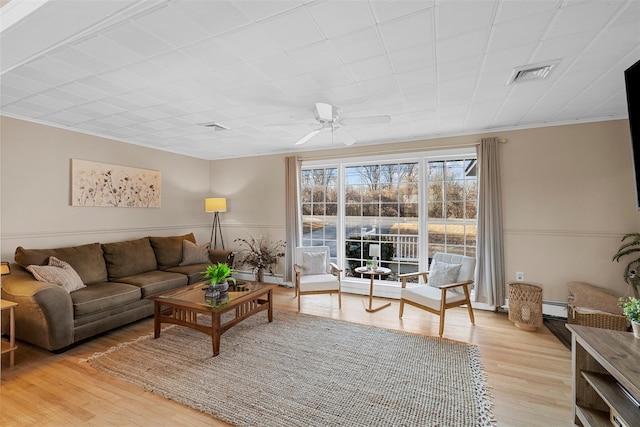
{"x":117,"y":279}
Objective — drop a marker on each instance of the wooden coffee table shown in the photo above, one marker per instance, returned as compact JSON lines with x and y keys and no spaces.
{"x":181,"y":307}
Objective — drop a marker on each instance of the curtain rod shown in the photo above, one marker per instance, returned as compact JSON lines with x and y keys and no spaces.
{"x":396,"y":151}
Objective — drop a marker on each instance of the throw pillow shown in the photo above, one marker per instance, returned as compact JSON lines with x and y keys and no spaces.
{"x":58,"y":273}
{"x":443,"y":273}
{"x":194,"y":254}
{"x":314,"y":262}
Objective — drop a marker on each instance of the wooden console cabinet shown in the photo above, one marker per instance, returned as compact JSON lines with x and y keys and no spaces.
{"x":604,"y":362}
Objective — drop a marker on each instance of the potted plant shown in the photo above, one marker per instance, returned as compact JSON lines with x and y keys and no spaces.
{"x":631,"y":309}
{"x":261,"y":255}
{"x":632,"y":247}
{"x":218,"y":276}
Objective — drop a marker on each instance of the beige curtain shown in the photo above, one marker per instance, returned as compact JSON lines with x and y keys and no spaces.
{"x":292,"y":178}
{"x":490,"y":279}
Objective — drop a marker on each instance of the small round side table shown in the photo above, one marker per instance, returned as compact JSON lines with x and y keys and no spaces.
{"x":380,"y":271}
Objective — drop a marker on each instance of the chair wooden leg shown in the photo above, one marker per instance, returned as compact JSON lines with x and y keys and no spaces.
{"x":443,"y":303}
{"x":441,"y":331}
{"x":401,"y":308}
{"x":469,"y":308}
{"x":298,"y":301}
{"x":339,"y":299}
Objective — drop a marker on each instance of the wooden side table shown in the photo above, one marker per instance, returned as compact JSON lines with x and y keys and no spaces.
{"x":10,"y":345}
{"x":380,"y":271}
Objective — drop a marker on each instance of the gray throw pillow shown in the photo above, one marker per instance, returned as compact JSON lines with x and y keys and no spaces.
{"x":58,"y":273}
{"x":314,"y":262}
{"x":443,"y":273}
{"x":194,"y":254}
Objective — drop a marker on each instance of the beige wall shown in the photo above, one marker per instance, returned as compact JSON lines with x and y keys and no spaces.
{"x":568,"y":196}
{"x":567,"y":190}
{"x":35,"y":190}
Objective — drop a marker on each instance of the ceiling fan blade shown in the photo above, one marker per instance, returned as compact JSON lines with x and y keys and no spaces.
{"x":308,"y":137}
{"x":325,"y":112}
{"x":344,"y":136}
{"x":369,"y":120}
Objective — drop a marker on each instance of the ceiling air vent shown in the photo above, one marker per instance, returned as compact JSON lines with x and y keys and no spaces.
{"x":214,"y":125}
{"x":530,"y":73}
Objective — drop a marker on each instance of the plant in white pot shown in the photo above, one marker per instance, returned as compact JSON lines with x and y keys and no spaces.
{"x":631,"y":309}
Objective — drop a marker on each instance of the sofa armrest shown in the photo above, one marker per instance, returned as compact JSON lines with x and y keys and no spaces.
{"x":44,"y":315}
{"x":219,"y":255}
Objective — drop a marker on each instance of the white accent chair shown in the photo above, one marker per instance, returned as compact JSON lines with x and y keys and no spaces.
{"x":315,"y":273}
{"x":452,"y":276}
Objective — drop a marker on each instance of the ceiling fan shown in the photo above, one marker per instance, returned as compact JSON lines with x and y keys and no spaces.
{"x":328,"y":118}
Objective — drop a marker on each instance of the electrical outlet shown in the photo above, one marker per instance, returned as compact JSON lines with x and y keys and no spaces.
{"x":520,"y":276}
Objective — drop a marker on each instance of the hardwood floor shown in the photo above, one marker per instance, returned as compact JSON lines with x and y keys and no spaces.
{"x":529,"y":373}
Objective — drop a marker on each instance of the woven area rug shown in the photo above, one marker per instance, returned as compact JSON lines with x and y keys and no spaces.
{"x":303,"y":370}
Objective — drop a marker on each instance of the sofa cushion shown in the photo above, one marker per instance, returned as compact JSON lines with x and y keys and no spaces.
{"x":155,"y":282}
{"x":57,"y":273}
{"x":193,"y":272}
{"x":129,"y":258}
{"x":103,"y":296}
{"x":194,"y":254}
{"x":86,"y":260}
{"x":168,"y":250}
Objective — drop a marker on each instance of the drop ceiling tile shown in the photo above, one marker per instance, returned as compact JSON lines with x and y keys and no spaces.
{"x":35,"y":110}
{"x":66,"y":117}
{"x":381,"y":85}
{"x":370,"y":68}
{"x":102,"y":109}
{"x":107,"y":50}
{"x":386,"y":100}
{"x":617,"y":36}
{"x":13,"y":80}
{"x":172,"y":26}
{"x":465,"y":45}
{"x":242,"y":74}
{"x":386,"y":10}
{"x":508,"y":58}
{"x":600,"y":59}
{"x":415,"y":78}
{"x":315,"y":57}
{"x":249,"y":43}
{"x":216,"y":17}
{"x":338,"y":18}
{"x":409,"y":31}
{"x":292,"y":29}
{"x":359,"y":45}
{"x":212,"y":54}
{"x":179,"y":64}
{"x":39,"y":75}
{"x":584,"y":16}
{"x":520,"y":31}
{"x":104,"y":84}
{"x":60,"y":69}
{"x":465,"y":67}
{"x":510,"y":10}
{"x":84,"y":91}
{"x":455,"y":18}
{"x":136,"y":39}
{"x":344,"y":93}
{"x":332,"y":77}
{"x":421,"y":56}
{"x":258,"y":10}
{"x":562,"y":47}
{"x":81,"y":60}
{"x":277,"y":67}
{"x":47,"y":101}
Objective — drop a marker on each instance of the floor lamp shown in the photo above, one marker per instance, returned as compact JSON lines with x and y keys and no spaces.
{"x":215,"y":205}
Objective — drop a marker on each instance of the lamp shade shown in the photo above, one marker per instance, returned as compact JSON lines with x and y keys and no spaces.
{"x":374,"y":250}
{"x":215,"y":204}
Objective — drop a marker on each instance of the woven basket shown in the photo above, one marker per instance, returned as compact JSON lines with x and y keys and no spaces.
{"x":525,"y":305}
{"x":597,"y":320}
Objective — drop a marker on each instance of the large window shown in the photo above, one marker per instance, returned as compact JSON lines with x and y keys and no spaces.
{"x":410,"y":208}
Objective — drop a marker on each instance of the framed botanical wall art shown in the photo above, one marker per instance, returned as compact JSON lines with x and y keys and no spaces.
{"x":102,"y":184}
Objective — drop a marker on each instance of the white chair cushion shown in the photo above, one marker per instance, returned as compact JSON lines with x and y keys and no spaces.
{"x":314,"y":263}
{"x":429,"y":296}
{"x":318,"y":282}
{"x":443,"y":273}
